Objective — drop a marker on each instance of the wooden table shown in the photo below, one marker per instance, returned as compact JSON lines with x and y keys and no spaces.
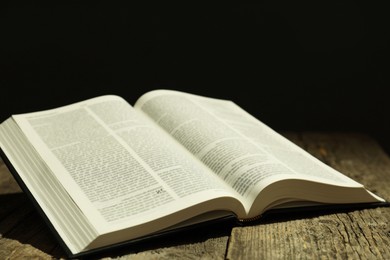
{"x":353,"y":234}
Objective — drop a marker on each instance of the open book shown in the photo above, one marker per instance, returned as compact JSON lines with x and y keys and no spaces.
{"x":104,"y":172}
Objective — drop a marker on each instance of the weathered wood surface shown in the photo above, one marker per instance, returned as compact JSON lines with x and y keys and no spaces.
{"x":357,"y":234}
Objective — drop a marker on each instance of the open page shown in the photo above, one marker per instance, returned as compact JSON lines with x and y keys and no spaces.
{"x":120,"y":169}
{"x":238,"y":148}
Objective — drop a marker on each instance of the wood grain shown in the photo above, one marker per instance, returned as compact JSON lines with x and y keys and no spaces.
{"x":349,"y":234}
{"x":360,"y":234}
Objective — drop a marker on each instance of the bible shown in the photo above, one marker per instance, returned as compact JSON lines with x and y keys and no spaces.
{"x":103,"y":172}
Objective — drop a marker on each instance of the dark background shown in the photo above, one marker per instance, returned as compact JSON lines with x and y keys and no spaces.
{"x":312,"y":66}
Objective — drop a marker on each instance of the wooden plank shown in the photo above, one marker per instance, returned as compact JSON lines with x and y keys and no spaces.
{"x":213,"y":248}
{"x":354,"y":234}
{"x":7,"y":182}
{"x":12,"y":249}
{"x":359,"y":234}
